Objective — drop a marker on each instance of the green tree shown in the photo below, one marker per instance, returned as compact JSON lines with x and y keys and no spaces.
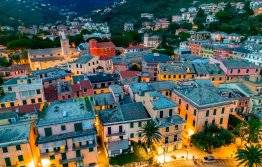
{"x":212,"y":137}
{"x":19,"y":44}
{"x":251,"y":156}
{"x":150,"y":133}
{"x":247,"y":8}
{"x":254,"y":129}
{"x":16,"y":58}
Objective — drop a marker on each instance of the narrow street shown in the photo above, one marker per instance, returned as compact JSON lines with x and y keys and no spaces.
{"x":102,"y":158}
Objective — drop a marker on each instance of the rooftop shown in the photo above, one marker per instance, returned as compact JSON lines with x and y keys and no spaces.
{"x":129,"y":74}
{"x":176,"y":68}
{"x":237,"y":63}
{"x":14,"y":134}
{"x":123,"y":113}
{"x":156,"y":58}
{"x":159,"y":101}
{"x":116,"y":89}
{"x":7,"y":115}
{"x":104,"y":99}
{"x":100,"y":77}
{"x":169,"y":121}
{"x":8,"y":97}
{"x":84,"y":59}
{"x":65,"y":111}
{"x":201,"y":95}
{"x":151,"y":86}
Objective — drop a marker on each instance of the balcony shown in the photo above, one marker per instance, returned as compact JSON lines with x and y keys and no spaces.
{"x":84,"y":146}
{"x":76,"y":159}
{"x":116,"y":134}
{"x":54,"y":152}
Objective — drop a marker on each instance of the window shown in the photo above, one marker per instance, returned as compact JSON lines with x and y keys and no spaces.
{"x":20,"y":158}
{"x":78,"y":127}
{"x":221,"y":121}
{"x":33,"y":101}
{"x":63,"y":127}
{"x":195,"y":112}
{"x":109,"y":130}
{"x":24,"y":102}
{"x":38,"y":91}
{"x":12,"y":104}
{"x":186,"y":117}
{"x":7,"y":162}
{"x":231,"y":71}
{"x":179,"y":101}
{"x":139,"y":135}
{"x":52,"y":157}
{"x":167,"y":129}
{"x":3,"y":105}
{"x":213,"y":121}
{"x":170,"y":112}
{"x":48,"y":132}
{"x":223,"y":110}
{"x":78,"y":153}
{"x":131,"y":135}
{"x":91,"y":149}
{"x":175,"y":137}
{"x":131,"y":125}
{"x":139,"y":124}
{"x":166,"y":139}
{"x":238,"y":71}
{"x":186,"y":106}
{"x":176,"y":127}
{"x":5,"y":150}
{"x":179,"y":111}
{"x":161,"y":114}
{"x":194,"y":123}
{"x":63,"y":156}
{"x":39,"y":100}
{"x":247,"y":70}
{"x":18,"y":147}
{"x":215,"y":112}
{"x":207,"y":113}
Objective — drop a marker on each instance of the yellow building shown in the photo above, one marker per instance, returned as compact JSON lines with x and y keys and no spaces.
{"x":175,"y":71}
{"x":164,"y":112}
{"x":17,"y":145}
{"x":44,"y":58}
{"x":200,"y":105}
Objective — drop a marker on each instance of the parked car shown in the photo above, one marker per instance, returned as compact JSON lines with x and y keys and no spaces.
{"x":209,"y":159}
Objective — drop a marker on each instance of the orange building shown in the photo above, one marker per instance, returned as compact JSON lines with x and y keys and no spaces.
{"x":102,"y":48}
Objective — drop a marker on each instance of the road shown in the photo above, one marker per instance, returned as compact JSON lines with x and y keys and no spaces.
{"x":190,"y":163}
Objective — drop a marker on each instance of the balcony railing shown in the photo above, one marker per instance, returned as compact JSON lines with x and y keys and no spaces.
{"x":76,"y":159}
{"x":116,"y":134}
{"x":54,"y":152}
{"x":84,"y":146}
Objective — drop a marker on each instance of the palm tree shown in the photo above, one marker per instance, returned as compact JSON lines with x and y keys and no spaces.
{"x":149,"y":133}
{"x":250,"y":157}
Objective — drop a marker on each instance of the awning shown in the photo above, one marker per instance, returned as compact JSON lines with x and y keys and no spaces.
{"x":60,"y":143}
{"x":83,"y":138}
{"x":54,"y":144}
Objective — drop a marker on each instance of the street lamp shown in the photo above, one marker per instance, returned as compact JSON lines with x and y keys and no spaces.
{"x":187,"y":153}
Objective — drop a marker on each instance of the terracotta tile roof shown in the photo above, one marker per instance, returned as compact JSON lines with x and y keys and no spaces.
{"x":51,"y":93}
{"x":105,"y":58}
{"x":85,"y":84}
{"x":14,"y":67}
{"x":75,"y":87}
{"x":105,"y":45}
{"x":30,"y":108}
{"x":136,"y":47}
{"x":129,"y":74}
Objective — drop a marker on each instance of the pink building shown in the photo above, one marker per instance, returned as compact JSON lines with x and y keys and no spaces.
{"x":67,"y":135}
{"x":235,"y":67}
{"x":14,"y":71}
